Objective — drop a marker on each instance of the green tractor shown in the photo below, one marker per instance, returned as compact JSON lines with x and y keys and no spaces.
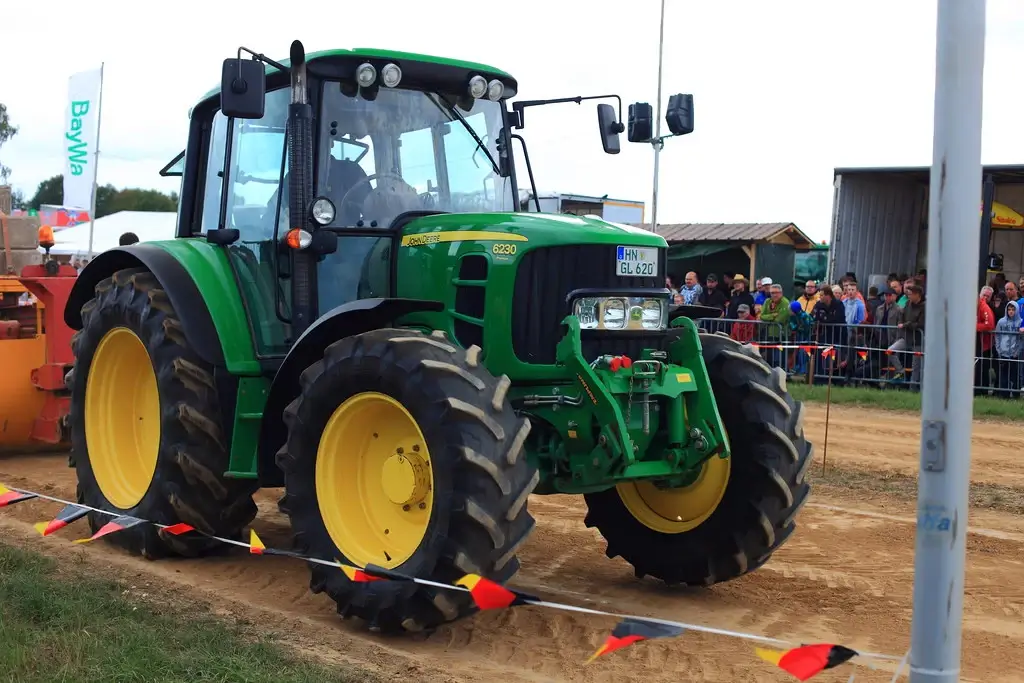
{"x":409,"y":353}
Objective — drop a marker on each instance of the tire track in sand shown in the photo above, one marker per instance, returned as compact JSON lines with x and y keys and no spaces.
{"x":889,"y":441}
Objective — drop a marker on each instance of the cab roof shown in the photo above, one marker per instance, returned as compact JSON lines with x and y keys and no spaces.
{"x":370,"y":53}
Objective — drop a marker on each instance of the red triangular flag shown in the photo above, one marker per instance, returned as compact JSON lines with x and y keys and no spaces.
{"x":9,"y":497}
{"x":629,"y":631}
{"x":113,"y":526}
{"x":490,"y":595}
{"x":69,"y":514}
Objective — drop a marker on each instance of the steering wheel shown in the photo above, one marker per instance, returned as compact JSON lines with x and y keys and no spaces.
{"x":373,"y":176}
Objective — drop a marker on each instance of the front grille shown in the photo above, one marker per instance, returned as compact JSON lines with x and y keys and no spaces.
{"x":546,"y":275}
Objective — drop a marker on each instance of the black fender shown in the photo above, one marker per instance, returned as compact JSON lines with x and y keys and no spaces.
{"x":693,"y":311}
{"x":196,"y":321}
{"x":346,"y":320}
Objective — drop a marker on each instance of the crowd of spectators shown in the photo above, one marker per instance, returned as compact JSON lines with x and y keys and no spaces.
{"x":876,"y":335}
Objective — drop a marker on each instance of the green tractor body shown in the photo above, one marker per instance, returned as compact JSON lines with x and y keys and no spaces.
{"x":411,"y":355}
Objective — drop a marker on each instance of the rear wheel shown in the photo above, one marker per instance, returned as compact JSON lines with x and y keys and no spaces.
{"x":740,"y":509}
{"x":144,"y":431}
{"x":403,"y":452}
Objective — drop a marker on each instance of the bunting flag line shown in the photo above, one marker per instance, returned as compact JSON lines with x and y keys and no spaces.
{"x":629,"y":631}
{"x":863,"y":355}
{"x":803,"y":661}
{"x":113,"y":526}
{"x":10,"y":497}
{"x":357,"y":575}
{"x":807,"y":661}
{"x":69,"y":514}
{"x":490,"y":595}
{"x":256,"y":546}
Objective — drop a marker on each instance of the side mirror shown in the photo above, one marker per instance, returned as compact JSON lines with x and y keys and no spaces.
{"x":222,"y":236}
{"x":641,"y":122}
{"x":242,"y":89}
{"x":610,"y":128}
{"x":679,"y":114}
{"x":324,"y":242}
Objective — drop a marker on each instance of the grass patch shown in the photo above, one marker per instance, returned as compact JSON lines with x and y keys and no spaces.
{"x":894,"y":399}
{"x":904,"y":487}
{"x":57,"y":625}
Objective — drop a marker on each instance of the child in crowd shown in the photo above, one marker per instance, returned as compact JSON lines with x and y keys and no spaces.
{"x":1008,"y":347}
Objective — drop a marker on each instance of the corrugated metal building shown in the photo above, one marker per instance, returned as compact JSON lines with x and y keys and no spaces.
{"x":880,"y":221}
{"x":754,"y":249}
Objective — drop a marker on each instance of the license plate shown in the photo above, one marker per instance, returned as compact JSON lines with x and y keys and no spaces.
{"x":636,"y":261}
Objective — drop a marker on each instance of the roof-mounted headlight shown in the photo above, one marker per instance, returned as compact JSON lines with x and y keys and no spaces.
{"x":366,"y":74}
{"x":495,"y":89}
{"x":391,"y":75}
{"x":477,"y":87}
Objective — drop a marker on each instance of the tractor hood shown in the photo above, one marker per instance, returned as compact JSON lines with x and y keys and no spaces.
{"x":538,"y":229}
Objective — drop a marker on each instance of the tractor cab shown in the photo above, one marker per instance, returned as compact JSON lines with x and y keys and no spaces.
{"x":390,"y":138}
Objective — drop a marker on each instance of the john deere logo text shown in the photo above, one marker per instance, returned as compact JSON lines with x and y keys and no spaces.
{"x":420,"y":240}
{"x":78,"y":152}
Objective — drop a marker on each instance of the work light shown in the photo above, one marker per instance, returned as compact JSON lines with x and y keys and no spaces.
{"x":495,"y":89}
{"x":391,"y":75}
{"x":477,"y":87}
{"x":366,"y":74}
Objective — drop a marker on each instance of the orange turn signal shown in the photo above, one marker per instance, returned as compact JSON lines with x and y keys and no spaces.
{"x":297,"y":238}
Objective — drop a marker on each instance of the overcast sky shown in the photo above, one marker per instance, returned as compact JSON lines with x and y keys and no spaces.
{"x":784,"y":90}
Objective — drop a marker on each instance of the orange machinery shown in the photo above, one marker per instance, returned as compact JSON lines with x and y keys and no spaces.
{"x":35,"y":351}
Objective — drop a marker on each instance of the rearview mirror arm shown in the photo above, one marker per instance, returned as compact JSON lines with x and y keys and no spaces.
{"x":263,"y":58}
{"x":518,"y":107}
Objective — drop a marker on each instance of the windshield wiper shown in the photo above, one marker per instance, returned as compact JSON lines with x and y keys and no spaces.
{"x":451,"y":110}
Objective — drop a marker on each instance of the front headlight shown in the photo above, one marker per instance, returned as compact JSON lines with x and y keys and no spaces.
{"x":621,"y":313}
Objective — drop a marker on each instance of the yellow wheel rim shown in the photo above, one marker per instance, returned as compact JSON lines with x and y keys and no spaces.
{"x":676,"y":511}
{"x":122,"y":418}
{"x":374,"y":482}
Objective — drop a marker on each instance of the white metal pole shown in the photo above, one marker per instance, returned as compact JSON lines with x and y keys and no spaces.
{"x":96,"y":161}
{"x":658,"y":142}
{"x":947,"y":395}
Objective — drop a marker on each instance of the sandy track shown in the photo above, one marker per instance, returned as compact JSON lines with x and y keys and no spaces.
{"x":845,"y":576}
{"x":877,"y":440}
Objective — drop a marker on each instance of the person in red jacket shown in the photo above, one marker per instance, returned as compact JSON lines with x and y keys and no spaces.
{"x":983,"y":344}
{"x":743,"y":328}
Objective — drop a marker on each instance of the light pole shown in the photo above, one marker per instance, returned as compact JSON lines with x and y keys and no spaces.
{"x":658,"y":142}
{"x":947,"y":396}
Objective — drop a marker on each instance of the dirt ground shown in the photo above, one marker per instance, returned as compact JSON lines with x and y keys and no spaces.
{"x":846,"y":576}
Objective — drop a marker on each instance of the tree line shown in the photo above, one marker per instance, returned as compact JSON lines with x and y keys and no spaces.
{"x":109,"y":199}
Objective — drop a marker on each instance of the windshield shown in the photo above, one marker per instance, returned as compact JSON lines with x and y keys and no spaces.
{"x":408,"y":150}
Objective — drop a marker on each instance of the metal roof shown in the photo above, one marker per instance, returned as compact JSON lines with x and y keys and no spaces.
{"x":1001,"y":173}
{"x":730,"y":232}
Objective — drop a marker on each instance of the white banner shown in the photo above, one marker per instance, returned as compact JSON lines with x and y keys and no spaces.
{"x":81,"y":131}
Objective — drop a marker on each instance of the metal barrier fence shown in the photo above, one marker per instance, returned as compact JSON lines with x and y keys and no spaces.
{"x":871,"y":355}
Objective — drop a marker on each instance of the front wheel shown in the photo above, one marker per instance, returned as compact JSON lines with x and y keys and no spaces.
{"x":144,"y":435}
{"x":739,"y":510}
{"x":404,"y":452}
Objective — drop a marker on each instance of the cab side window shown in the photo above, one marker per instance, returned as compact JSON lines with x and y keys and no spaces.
{"x":258,"y":154}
